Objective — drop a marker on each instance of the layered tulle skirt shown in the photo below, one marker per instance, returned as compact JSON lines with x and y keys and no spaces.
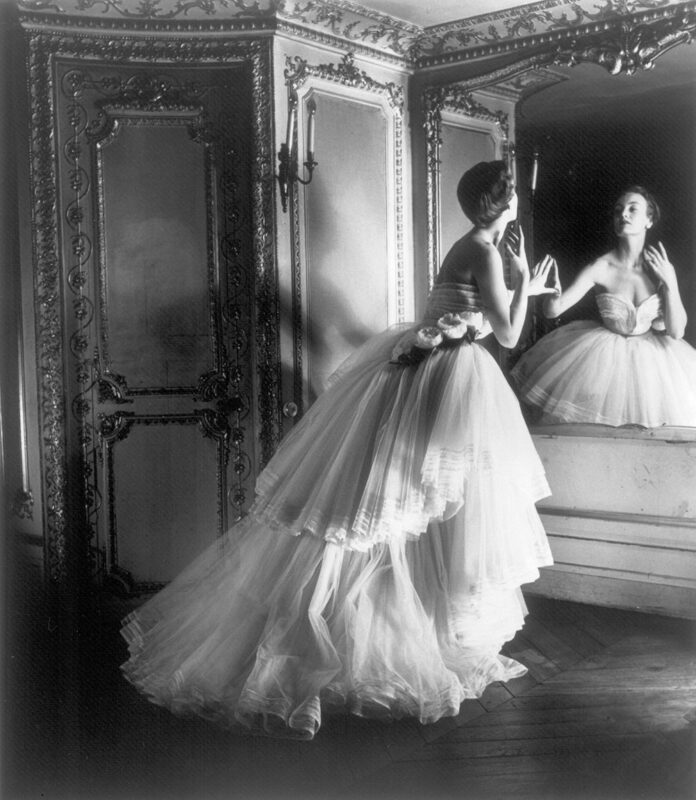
{"x":378,"y":571}
{"x":583,"y":372}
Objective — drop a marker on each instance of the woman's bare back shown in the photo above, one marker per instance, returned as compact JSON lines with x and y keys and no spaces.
{"x":464,"y":261}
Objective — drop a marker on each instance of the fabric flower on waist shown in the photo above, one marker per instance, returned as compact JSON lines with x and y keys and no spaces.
{"x":428,"y":338}
{"x":451,"y":330}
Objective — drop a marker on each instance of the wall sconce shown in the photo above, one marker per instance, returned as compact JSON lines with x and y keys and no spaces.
{"x":287,"y":155}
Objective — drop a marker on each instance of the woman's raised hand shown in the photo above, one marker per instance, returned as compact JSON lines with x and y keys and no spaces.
{"x":660,"y":264}
{"x":514,"y":246}
{"x":544,"y":269}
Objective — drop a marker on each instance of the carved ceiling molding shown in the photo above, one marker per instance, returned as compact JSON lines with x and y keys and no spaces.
{"x":345,"y":24}
{"x":152,"y":9}
{"x":425,"y":46}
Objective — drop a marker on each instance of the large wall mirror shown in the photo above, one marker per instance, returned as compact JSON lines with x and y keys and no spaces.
{"x":582,"y":136}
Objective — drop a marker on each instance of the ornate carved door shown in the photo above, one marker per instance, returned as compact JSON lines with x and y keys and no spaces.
{"x":165,"y":309}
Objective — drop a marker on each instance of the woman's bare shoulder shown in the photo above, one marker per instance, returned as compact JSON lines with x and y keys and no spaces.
{"x":599,"y":267}
{"x":467,"y":257}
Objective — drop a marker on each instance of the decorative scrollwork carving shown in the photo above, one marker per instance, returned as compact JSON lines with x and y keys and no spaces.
{"x":112,"y":387}
{"x":628,"y":48}
{"x":152,"y":9}
{"x":212,"y":385}
{"x":364,"y":29}
{"x":267,"y":310}
{"x":115,"y":427}
{"x":346,"y":73}
{"x":215,"y":424}
{"x":159,"y":9}
{"x":41,"y":5}
{"x":48,"y":308}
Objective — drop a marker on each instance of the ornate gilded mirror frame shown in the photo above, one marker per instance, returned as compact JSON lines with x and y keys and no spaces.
{"x":623,"y":45}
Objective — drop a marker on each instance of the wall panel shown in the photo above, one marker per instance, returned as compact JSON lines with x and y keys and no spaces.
{"x":347,"y":224}
{"x":621,"y":520}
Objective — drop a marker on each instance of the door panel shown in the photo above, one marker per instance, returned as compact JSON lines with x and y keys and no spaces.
{"x":156,"y":331}
{"x":347,"y":292}
{"x":167,"y":286}
{"x":163,"y":508}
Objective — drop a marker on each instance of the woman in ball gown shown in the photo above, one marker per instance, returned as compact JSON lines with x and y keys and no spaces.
{"x":633,"y":367}
{"x":378,"y":571}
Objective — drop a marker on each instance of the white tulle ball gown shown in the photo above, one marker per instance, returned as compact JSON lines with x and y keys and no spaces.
{"x":624,"y":370}
{"x":379,"y":569}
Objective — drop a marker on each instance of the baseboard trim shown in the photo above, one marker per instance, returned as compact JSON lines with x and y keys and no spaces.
{"x":563,"y":583}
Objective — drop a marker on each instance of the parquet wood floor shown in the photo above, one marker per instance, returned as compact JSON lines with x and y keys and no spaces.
{"x":607,"y":711}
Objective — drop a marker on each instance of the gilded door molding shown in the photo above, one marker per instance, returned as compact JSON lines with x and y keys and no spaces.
{"x":65,"y":316}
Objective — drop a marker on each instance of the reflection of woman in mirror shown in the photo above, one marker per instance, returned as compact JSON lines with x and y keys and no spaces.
{"x":378,"y":570}
{"x":633,"y":367}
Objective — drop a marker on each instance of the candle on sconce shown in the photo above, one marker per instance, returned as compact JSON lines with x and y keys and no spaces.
{"x":289,"y":171}
{"x":312,"y":110}
{"x":535,"y":172}
{"x":290,"y":134}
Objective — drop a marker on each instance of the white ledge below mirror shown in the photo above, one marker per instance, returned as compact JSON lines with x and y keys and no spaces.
{"x":622,"y":517}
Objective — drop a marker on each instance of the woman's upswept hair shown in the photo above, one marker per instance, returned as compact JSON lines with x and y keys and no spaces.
{"x":653,"y":207}
{"x":484,"y":192}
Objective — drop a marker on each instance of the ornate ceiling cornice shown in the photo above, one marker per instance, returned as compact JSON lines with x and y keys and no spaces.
{"x":622,"y":35}
{"x":152,"y":9}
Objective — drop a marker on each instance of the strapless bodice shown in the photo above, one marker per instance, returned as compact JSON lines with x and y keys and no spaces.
{"x":621,"y":316}
{"x":457,"y":298}
{"x":451,"y":298}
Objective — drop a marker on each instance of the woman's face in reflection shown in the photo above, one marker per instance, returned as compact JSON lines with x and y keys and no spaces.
{"x":631,"y":215}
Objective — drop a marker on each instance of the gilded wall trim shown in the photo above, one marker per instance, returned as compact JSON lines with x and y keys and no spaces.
{"x":77,"y":219}
{"x":48,"y":277}
{"x":263,"y":220}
